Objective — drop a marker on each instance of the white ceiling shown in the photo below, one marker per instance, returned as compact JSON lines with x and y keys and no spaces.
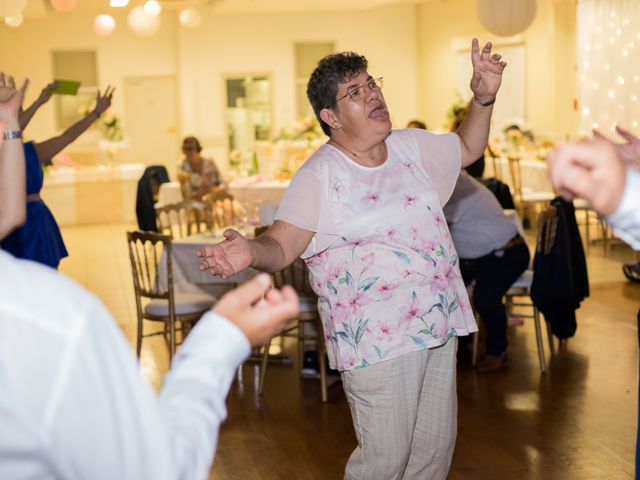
{"x":40,"y":8}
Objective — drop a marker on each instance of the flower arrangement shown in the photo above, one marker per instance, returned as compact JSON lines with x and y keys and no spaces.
{"x":307,"y":129}
{"x":108,"y":123}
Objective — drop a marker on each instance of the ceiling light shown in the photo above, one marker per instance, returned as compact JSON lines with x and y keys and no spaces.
{"x":118,"y":3}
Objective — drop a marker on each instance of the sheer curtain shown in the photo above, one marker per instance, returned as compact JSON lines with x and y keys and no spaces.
{"x":608,"y":69}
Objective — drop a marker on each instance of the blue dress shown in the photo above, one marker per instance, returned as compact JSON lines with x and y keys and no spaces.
{"x":39,"y":238}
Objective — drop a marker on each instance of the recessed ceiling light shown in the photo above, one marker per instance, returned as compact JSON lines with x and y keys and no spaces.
{"x":118,"y":3}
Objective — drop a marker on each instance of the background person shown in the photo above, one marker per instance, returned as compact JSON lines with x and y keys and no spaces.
{"x":39,"y":239}
{"x":365,"y":211}
{"x":492,"y":252}
{"x":199,"y":174}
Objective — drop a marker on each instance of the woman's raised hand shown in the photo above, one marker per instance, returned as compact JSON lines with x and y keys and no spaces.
{"x":228,"y":257}
{"x":487,"y":71}
{"x":103,"y":101}
{"x":10,"y":99}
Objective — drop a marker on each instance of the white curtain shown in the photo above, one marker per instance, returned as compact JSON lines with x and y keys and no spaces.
{"x":608,"y":64}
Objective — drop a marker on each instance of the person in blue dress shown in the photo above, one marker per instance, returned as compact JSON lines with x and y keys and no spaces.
{"x":39,"y":239}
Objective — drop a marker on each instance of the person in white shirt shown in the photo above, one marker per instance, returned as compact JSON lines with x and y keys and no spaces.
{"x":606,"y":175}
{"x":73,"y":403}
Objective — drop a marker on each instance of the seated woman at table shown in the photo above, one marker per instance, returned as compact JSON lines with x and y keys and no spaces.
{"x":197,"y":174}
{"x":365,"y":212}
{"x":39,"y":239}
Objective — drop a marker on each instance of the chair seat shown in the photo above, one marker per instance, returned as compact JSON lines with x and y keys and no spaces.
{"x":186,"y":304}
{"x":524,"y":281}
{"x":308,"y":304}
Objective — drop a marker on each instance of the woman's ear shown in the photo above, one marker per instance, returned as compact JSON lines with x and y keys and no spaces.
{"x":329,"y":117}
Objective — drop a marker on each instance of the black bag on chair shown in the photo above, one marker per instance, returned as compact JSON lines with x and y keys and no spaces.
{"x":147,"y":194}
{"x":501,"y":191}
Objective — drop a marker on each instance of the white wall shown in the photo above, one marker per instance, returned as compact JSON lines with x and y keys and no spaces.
{"x":223,"y":44}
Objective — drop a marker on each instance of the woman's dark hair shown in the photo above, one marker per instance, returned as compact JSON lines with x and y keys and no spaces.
{"x":195,"y":142}
{"x":417,"y":124}
{"x":331,"y":71}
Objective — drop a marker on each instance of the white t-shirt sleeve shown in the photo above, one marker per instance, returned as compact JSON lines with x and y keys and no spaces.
{"x":441,"y":157}
{"x":306,"y":205}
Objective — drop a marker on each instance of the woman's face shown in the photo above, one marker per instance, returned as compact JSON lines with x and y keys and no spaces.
{"x":367,"y":118}
{"x":189,"y":150}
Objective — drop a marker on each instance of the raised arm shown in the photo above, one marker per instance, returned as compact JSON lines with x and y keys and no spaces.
{"x":50,"y":148}
{"x":628,"y":152}
{"x":485,"y":83}
{"x":12,"y":167}
{"x":45,"y":95}
{"x":280,"y":245}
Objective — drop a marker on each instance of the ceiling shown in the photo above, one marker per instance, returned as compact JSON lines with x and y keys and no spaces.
{"x":41,"y":8}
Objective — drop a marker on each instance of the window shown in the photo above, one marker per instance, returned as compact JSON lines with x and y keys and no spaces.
{"x":307,"y":56}
{"x":80,"y":66}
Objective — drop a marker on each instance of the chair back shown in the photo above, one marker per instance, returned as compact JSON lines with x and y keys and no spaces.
{"x":547,"y":230}
{"x":150,"y":255}
{"x":297,"y":275}
{"x":179,"y":220}
{"x":223,"y":213}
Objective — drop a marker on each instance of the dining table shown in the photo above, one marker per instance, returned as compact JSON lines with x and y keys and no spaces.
{"x":187,"y":277}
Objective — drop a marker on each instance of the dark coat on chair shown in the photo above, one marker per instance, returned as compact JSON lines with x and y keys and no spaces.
{"x":560,"y":279}
{"x":501,"y":191}
{"x":146,"y":196}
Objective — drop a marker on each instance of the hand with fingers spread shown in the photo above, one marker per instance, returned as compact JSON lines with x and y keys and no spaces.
{"x":590,"y":170}
{"x":257,"y":309}
{"x":228,"y":257}
{"x":10,"y":101}
{"x":103,"y":101}
{"x":628,"y":152}
{"x":487,"y":72}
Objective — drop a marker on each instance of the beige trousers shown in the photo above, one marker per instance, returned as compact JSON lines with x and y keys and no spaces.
{"x":405,"y":416}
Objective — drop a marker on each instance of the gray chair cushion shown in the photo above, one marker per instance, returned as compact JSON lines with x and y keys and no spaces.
{"x":308,"y":304}
{"x":186,"y":303}
{"x":524,"y":281}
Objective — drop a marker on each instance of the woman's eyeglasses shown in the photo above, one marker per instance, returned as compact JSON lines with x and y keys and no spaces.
{"x":188,"y":148}
{"x":357,"y":92}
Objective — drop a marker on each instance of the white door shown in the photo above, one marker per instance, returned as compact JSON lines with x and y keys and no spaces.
{"x":152,"y":121}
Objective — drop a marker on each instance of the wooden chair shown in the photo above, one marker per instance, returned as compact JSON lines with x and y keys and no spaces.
{"x":519,"y":295}
{"x":223,"y":210}
{"x":179,"y":220}
{"x":525,"y":197}
{"x":297,"y":275}
{"x":151,"y":266}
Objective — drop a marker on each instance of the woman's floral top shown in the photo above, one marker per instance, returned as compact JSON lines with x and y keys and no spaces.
{"x":382,"y":260}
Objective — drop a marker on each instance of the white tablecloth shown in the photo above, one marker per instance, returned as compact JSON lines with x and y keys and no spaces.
{"x":187,"y":276}
{"x":267,"y":192}
{"x":169,"y":193}
{"x":535,"y":174}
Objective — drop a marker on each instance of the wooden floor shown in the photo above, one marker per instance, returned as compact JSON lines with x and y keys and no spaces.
{"x":576,"y":422}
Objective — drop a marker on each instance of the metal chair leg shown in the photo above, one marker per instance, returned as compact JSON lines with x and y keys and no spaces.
{"x":263,"y":366}
{"x":323,"y":367}
{"x":536,"y":317}
{"x":475,"y":346}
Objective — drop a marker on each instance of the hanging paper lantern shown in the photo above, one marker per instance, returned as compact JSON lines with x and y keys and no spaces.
{"x":15,"y":21}
{"x":63,"y":5}
{"x":12,"y":8}
{"x":104,"y":25}
{"x":142,"y":23}
{"x":506,"y":17}
{"x":190,"y":17}
{"x":152,"y":7}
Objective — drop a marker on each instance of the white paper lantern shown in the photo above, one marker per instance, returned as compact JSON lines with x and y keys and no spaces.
{"x":190,"y":17}
{"x":12,"y":8}
{"x":15,"y":21}
{"x":506,"y":17}
{"x":104,"y":25}
{"x":63,"y":5}
{"x":152,"y":7}
{"x":142,"y":23}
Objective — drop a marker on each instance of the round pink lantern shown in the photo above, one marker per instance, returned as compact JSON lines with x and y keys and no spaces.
{"x":506,"y":17}
{"x":63,"y":5}
{"x":104,"y":25}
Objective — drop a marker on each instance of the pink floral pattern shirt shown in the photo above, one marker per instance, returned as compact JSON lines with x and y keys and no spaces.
{"x":382,"y":260}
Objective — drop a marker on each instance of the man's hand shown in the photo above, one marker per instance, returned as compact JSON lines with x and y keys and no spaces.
{"x":487,"y":72}
{"x":589,"y":170}
{"x":258,"y":310}
{"x":228,"y":257}
{"x":627,"y":152}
